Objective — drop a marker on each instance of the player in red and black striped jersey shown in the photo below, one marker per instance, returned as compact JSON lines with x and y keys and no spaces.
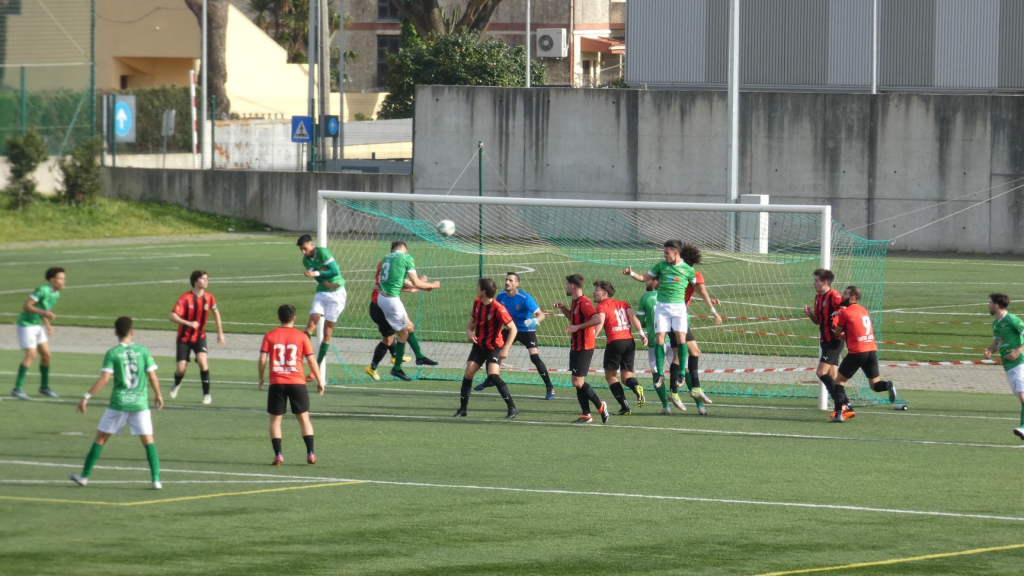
{"x":583,"y":322}
{"x":691,"y":255}
{"x":487,"y":320}
{"x":190,"y":314}
{"x":826,"y":306}
{"x":616,"y":319}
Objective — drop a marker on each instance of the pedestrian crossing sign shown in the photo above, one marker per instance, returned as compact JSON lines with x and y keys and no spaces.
{"x":302,"y":129}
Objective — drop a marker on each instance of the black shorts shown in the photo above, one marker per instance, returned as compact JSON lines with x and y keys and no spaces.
{"x":377,"y":315}
{"x":689,"y":335}
{"x":579,"y":362}
{"x":528,"y":339}
{"x":184,"y":349}
{"x":830,"y":351}
{"x":280,"y":394}
{"x":619,"y":355}
{"x":482,"y":356}
{"x":866,"y":361}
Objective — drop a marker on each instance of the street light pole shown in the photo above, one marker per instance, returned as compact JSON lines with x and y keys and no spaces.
{"x":206,"y":95}
{"x":527,"y":43}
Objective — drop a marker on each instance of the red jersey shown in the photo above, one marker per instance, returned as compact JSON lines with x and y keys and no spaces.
{"x":616,"y":321}
{"x":194,"y":309}
{"x":860,"y":337}
{"x":489,"y":320}
{"x":825,"y":308}
{"x":690,"y":287}
{"x":581,"y":311}
{"x":287,"y":348}
{"x":376,"y":284}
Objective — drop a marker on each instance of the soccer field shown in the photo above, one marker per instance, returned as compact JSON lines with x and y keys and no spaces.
{"x":758,"y":487}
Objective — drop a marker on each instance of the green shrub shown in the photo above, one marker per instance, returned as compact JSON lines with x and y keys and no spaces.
{"x":80,"y":172}
{"x":25,"y":154}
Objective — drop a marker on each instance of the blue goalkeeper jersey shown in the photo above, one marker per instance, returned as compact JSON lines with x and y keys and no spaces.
{"x":521,"y":307}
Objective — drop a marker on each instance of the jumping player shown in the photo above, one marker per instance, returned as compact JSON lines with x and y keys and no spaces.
{"x":387,"y":333}
{"x":854,"y":323}
{"x":489,"y":322}
{"x":617,"y":319}
{"x":190,"y":314}
{"x":329,"y":301}
{"x":645,"y":311}
{"x":397,"y":268}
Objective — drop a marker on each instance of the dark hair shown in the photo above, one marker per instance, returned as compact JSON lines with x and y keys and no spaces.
{"x":399,"y":244}
{"x":1001,"y":300}
{"x":825,"y":275}
{"x":286,"y":313}
{"x":122,"y":326}
{"x":507,"y":274}
{"x":690,"y":254}
{"x":606,"y":286}
{"x":674,"y":244}
{"x":854,"y":291}
{"x":488,"y":286}
{"x":305,"y":238}
{"x":52,"y":272}
{"x":575,"y":279}
{"x":196,"y":275}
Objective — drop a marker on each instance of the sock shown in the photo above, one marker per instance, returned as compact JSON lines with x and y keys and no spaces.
{"x":839,"y":397}
{"x":309,"y":443}
{"x":830,"y":385}
{"x":378,"y":354}
{"x":322,"y":352}
{"x":44,"y":376}
{"x":276,"y":443}
{"x":542,"y":370}
{"x":1022,"y":414}
{"x":661,"y":390}
{"x":154,"y":462}
{"x":177,"y":379}
{"x":591,"y":395}
{"x":22,"y":372}
{"x":673,"y":377}
{"x":399,"y":354}
{"x":391,"y":349}
{"x":91,"y":459}
{"x":503,"y":390}
{"x":204,"y":377}
{"x":659,"y":358}
{"x":691,"y":365}
{"x":880,"y":386}
{"x":689,"y":378}
{"x":632,"y":384}
{"x":467,"y":389}
{"x":414,"y":343}
{"x":581,"y":397}
{"x":620,"y":394}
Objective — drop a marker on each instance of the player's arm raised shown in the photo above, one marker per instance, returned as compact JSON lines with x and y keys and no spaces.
{"x":100,"y":383}
{"x":421,"y":284}
{"x":314,"y":369}
{"x":512,"y":332}
{"x":638,"y":277}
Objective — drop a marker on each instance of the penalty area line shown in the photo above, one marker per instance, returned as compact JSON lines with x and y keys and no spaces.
{"x":896,"y":560}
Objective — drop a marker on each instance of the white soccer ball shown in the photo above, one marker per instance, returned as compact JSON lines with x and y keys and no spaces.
{"x":446,"y":228}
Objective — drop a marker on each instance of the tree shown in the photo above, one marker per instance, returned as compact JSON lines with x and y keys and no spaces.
{"x":428,"y":17}
{"x":216,"y":43}
{"x":25,"y":154}
{"x":459,"y":59}
{"x":80,"y":173}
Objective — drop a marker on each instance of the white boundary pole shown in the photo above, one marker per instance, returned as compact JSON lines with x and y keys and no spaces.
{"x":826,"y":263}
{"x":321,"y":240}
{"x":195,"y":137}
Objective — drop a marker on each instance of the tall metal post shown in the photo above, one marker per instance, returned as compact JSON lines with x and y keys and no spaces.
{"x":734,"y":122}
{"x":24,"y":107}
{"x":206,"y":67}
{"x":323,"y":71}
{"x":213,"y":131}
{"x":311,"y":66}
{"x":92,"y":70}
{"x":527,"y":43}
{"x":339,"y":142}
{"x":874,"y":47}
{"x":480,"y":226}
{"x":113,"y":132}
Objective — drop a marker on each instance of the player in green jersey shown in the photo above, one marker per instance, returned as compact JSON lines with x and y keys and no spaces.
{"x":129,"y":401}
{"x":1008,"y":340}
{"x":396,"y":270}
{"x":329,"y":301}
{"x":645,"y":312}
{"x":34,"y":330}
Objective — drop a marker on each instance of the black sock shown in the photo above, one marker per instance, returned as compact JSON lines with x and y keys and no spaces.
{"x":391,"y":349}
{"x":177,"y":379}
{"x":204,"y":377}
{"x":632,"y":384}
{"x":691,"y":365}
{"x":581,"y":397}
{"x":276,"y":443}
{"x":674,"y":378}
{"x":880,"y":386}
{"x":542,"y":370}
{"x":839,"y":398}
{"x":503,"y":390}
{"x":830,"y":385}
{"x":467,"y":389}
{"x":309,"y":443}
{"x":620,"y":394}
{"x":378,"y":354}
{"x":591,"y":395}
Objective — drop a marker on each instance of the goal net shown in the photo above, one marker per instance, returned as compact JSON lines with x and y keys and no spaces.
{"x":757,"y":259}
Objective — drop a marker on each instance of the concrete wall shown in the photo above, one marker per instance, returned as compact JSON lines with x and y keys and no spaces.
{"x":870,"y":157}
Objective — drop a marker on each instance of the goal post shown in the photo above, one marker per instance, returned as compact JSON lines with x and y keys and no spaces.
{"x":765,"y":347}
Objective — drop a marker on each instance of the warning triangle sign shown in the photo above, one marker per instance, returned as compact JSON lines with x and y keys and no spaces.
{"x":300,"y":132}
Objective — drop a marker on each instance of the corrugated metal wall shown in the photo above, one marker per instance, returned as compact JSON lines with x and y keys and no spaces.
{"x":825,"y":45}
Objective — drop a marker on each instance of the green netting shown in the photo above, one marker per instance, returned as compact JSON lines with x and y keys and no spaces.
{"x":763,"y":276}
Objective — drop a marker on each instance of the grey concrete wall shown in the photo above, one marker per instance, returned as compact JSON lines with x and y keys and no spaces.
{"x":284,"y":200}
{"x":870,"y":157}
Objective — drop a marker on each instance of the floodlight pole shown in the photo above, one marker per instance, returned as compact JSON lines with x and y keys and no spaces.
{"x":527,"y":43}
{"x":205,"y":95}
{"x":874,"y":47}
{"x":310,"y":64}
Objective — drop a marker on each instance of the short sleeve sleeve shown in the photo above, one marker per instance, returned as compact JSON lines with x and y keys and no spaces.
{"x":213,"y":301}
{"x":307,"y":348}
{"x":531,"y":304}
{"x":265,"y":346}
{"x":179,"y":307}
{"x":108,"y":362}
{"x":411,"y":263}
{"x":655,"y":270}
{"x":505,"y":316}
{"x":39,"y":293}
{"x":588,"y":309}
{"x":148,"y":362}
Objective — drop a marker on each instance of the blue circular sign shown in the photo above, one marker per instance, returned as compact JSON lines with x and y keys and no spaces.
{"x":332,"y":126}
{"x":122,"y":119}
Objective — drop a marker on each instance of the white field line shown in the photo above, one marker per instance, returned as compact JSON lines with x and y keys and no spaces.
{"x":552,"y":491}
{"x":117,"y":259}
{"x":147,"y":482}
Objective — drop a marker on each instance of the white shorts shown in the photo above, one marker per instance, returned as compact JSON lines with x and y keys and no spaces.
{"x":394,"y":311}
{"x":670,"y":355}
{"x":329,"y":304}
{"x":670,"y":317}
{"x":31,"y":336}
{"x":139,"y":423}
{"x":1015,"y":376}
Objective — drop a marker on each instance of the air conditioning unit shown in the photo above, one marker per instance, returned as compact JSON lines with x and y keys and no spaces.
{"x":552,"y":43}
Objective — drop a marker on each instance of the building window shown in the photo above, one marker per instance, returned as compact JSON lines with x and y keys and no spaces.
{"x":124,"y":82}
{"x":386,"y":45}
{"x":386,"y":10}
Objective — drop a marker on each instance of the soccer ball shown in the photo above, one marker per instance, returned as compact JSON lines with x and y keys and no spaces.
{"x":446,"y":228}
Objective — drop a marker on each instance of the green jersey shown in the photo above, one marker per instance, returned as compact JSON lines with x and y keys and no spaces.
{"x":129,"y":363}
{"x":1009,"y":334}
{"x":673,"y":280}
{"x":45,"y":298}
{"x":323,"y":262}
{"x":393,"y":271}
{"x":645,"y":311}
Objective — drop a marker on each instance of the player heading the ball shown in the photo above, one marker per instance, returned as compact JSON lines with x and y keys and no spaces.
{"x":329,"y":301}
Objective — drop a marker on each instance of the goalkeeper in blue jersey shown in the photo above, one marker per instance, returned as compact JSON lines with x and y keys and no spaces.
{"x":526,"y":315}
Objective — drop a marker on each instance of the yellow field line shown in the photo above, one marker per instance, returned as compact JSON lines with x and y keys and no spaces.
{"x":896,"y":560}
{"x":181,"y":499}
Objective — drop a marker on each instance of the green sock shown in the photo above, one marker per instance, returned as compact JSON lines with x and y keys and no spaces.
{"x":22,"y":372}
{"x":399,"y":354}
{"x":91,"y":458}
{"x":323,"y":352}
{"x":659,"y":358}
{"x":661,"y":393}
{"x":1022,"y":414}
{"x":154,"y":461}
{"x":415,"y":345}
{"x":44,"y":374}
{"x":688,"y":379}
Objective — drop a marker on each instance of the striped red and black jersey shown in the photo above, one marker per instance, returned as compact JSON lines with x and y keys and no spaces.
{"x":825,"y":308}
{"x":376,"y":284}
{"x":194,"y":309}
{"x":581,"y":312}
{"x":489,"y":320}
